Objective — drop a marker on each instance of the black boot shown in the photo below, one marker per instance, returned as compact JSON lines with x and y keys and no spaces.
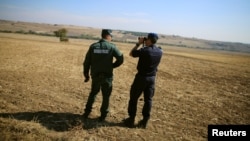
{"x":85,"y":115}
{"x":142,"y":123}
{"x":129,"y":122}
{"x":101,"y":118}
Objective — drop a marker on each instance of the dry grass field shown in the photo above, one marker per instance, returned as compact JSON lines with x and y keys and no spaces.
{"x":42,"y":93}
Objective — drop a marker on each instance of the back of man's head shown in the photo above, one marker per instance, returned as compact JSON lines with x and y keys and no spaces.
{"x":106,"y":32}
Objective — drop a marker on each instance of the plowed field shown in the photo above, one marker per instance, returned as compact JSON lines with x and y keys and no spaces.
{"x":42,"y":93}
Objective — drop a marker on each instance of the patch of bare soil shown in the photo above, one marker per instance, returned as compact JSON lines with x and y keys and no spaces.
{"x":42,"y":93}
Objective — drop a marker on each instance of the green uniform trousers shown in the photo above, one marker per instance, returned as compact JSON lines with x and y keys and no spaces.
{"x":103,"y":83}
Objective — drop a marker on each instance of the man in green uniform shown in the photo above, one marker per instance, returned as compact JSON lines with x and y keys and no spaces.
{"x":99,"y":60}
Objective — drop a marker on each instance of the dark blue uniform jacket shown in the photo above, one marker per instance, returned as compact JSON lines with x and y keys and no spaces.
{"x":149,"y":59}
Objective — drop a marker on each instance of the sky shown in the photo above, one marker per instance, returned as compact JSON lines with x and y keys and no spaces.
{"x":219,"y":20}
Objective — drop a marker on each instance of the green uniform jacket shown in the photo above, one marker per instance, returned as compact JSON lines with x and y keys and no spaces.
{"x":99,"y":58}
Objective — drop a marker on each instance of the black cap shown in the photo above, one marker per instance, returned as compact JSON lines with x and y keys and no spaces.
{"x":106,"y":32}
{"x":153,"y":37}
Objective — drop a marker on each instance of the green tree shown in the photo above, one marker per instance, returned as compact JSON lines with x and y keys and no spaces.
{"x":61,"y":33}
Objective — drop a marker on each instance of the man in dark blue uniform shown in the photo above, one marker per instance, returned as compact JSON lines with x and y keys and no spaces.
{"x":144,"y":81}
{"x":99,"y":60}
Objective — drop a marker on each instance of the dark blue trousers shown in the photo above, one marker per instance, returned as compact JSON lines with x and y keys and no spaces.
{"x":145,"y":85}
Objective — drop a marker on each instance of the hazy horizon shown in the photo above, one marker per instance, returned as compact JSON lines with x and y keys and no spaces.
{"x":224,"y":20}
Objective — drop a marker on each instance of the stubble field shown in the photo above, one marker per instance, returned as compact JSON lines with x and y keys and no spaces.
{"x":42,"y":93}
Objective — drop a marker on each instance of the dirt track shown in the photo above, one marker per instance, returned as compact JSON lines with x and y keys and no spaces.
{"x":42,"y":92}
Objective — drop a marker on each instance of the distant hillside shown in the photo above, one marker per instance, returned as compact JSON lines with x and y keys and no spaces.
{"x":119,"y":35}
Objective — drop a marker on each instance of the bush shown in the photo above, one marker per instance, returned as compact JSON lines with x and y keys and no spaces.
{"x":62,"y":34}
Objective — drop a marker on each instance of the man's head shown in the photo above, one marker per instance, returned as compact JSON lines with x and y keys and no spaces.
{"x":153,"y":37}
{"x":107,"y":34}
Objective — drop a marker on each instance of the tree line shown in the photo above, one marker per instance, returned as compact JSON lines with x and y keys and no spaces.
{"x":61,"y":33}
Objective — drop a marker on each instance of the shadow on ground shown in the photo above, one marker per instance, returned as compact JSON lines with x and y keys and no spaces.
{"x":58,"y":121}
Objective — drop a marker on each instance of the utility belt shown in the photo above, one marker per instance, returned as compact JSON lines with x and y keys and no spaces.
{"x":103,"y":75}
